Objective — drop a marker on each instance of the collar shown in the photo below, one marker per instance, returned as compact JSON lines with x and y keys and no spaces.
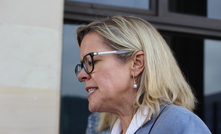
{"x":135,"y":123}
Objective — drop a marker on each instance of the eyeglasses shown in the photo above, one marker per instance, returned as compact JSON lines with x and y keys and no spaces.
{"x":88,"y":61}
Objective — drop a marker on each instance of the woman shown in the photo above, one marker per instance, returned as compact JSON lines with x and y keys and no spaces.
{"x":130,"y":72}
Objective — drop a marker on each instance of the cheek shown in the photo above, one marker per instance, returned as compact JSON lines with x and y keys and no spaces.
{"x":105,"y":81}
{"x":112,"y":74}
{"x":112,"y":79}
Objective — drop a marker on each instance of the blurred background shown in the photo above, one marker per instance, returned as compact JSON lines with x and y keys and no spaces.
{"x":39,"y":92}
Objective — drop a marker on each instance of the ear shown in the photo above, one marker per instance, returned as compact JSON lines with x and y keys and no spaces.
{"x":137,"y":63}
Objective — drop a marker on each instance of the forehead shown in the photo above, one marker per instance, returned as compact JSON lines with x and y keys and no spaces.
{"x":92,"y":42}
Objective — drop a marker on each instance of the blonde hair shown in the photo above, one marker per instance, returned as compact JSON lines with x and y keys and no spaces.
{"x":161,"y":81}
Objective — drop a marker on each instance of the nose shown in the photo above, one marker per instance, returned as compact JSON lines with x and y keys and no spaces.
{"x":82,"y":76}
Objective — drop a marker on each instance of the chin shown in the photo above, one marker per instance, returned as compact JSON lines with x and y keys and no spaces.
{"x":92,"y":109}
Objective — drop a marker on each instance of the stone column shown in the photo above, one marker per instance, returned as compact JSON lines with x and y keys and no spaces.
{"x":30,"y":66}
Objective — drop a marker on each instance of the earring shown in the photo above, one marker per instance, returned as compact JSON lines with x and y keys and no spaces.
{"x":135,"y":85}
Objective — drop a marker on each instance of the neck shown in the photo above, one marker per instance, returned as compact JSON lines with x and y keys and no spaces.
{"x":125,"y":121}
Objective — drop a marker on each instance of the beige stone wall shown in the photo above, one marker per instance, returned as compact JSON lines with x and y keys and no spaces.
{"x":30,"y":66}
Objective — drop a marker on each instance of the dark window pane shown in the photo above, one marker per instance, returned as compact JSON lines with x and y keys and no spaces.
{"x":212,"y":69}
{"x":207,"y":8}
{"x":192,"y":7}
{"x":212,"y":84}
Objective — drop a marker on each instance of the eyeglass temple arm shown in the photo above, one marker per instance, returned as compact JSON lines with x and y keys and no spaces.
{"x":112,"y":52}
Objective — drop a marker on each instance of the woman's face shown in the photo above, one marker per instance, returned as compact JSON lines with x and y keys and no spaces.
{"x":110,"y":85}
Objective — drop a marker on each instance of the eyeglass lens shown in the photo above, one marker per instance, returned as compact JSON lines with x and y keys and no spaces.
{"x":77,"y":69}
{"x":87,"y":64}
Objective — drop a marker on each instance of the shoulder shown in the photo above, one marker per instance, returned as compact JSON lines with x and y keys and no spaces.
{"x":180,"y":120}
{"x":179,"y":112}
{"x":177,"y":120}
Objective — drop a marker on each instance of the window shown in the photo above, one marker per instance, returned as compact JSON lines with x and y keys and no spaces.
{"x":212,"y":84}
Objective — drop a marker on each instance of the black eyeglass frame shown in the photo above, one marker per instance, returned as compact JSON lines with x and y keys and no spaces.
{"x":92,"y":54}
